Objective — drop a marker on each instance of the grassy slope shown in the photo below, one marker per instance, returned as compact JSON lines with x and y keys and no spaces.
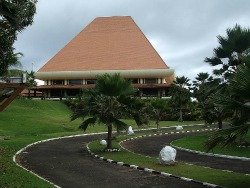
{"x":24,"y":122}
{"x":196,"y":143}
{"x":27,"y":121}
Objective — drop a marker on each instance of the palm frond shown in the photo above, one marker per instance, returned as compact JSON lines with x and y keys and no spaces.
{"x":90,"y":121}
{"x":120,"y":125}
{"x":227,"y":136}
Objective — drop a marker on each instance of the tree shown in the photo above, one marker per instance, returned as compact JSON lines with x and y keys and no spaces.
{"x":238,"y":100}
{"x":233,"y":47}
{"x":105,"y":104}
{"x":204,"y":87}
{"x":159,"y":110}
{"x":15,"y":15}
{"x":180,"y":95}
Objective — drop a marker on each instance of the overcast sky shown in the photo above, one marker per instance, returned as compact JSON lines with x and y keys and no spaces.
{"x":182,"y":31}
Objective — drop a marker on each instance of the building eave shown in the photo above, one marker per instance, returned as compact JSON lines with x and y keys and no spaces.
{"x":92,"y":74}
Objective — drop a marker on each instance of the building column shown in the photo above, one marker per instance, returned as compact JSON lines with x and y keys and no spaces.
{"x":48,"y":94}
{"x":159,"y":92}
{"x":83,"y":81}
{"x":65,"y":82}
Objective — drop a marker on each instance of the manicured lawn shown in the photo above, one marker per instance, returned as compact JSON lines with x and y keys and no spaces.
{"x":26,"y":121}
{"x":200,"y":173}
{"x":197,"y":143}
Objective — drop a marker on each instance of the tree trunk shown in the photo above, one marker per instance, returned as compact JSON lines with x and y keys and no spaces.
{"x":109,"y":144}
{"x":220,"y":123}
{"x":181,"y":118}
{"x":157,"y":124}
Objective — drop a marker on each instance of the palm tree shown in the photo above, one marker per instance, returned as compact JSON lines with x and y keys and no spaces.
{"x":180,"y":94}
{"x":228,"y":55}
{"x":159,"y":110}
{"x":238,"y":100}
{"x":104,"y":104}
{"x":204,"y":87}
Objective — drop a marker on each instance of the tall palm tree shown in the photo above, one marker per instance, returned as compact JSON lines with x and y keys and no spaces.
{"x":204,"y":87}
{"x":237,"y":100}
{"x":104,"y":104}
{"x":232,"y":48}
{"x":180,"y":94}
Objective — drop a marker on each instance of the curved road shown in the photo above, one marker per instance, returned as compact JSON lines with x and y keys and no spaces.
{"x":152,"y":145}
{"x":67,"y":163}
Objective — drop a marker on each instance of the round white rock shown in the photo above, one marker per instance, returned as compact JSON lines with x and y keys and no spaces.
{"x":103,"y":142}
{"x":130,"y":130}
{"x":179,"y":128}
{"x":167,"y":155}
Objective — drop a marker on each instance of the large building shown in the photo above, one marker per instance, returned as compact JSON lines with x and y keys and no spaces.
{"x":107,"y":45}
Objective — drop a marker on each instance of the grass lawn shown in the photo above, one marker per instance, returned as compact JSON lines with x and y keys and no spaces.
{"x":196,"y":143}
{"x":26,"y":121}
{"x":219,"y":177}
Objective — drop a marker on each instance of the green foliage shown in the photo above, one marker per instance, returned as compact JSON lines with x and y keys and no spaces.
{"x":197,"y":143}
{"x":113,"y":85}
{"x":180,"y":95}
{"x":231,"y":50}
{"x":160,"y":108}
{"x":204,"y":88}
{"x":15,"y":73}
{"x":106,"y":104}
{"x":15,"y":15}
{"x":237,"y":100}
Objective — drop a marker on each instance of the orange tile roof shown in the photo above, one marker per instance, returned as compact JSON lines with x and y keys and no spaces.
{"x":107,"y":43}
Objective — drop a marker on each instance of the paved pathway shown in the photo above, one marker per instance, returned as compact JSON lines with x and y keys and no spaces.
{"x":67,"y":163}
{"x":152,"y":145}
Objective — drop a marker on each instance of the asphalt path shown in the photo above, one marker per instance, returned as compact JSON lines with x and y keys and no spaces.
{"x":151,"y":146}
{"x":67,"y":163}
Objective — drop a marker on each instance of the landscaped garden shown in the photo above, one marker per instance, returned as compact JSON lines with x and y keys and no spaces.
{"x":26,"y":121}
{"x":114,"y":108}
{"x":200,"y":173}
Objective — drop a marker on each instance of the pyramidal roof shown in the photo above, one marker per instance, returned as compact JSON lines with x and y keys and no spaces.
{"x":107,"y":43}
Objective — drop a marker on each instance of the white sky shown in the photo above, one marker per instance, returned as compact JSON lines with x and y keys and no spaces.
{"x":182,"y":31}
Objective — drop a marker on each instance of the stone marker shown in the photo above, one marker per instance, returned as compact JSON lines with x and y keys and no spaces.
{"x":103,"y":142}
{"x":179,"y":128}
{"x":130,"y":130}
{"x":167,"y":155}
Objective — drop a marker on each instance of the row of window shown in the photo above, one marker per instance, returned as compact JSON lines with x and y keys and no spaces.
{"x":93,"y":81}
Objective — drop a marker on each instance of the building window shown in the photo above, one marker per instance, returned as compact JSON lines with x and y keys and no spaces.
{"x":134,"y":81}
{"x":93,"y":81}
{"x":151,"y":80}
{"x":57,"y":82}
{"x":76,"y":82}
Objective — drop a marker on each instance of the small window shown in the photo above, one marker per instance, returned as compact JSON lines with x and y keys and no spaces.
{"x":90,"y":81}
{"x":150,"y":80}
{"x":76,"y":82}
{"x":57,"y":82}
{"x":134,"y":81}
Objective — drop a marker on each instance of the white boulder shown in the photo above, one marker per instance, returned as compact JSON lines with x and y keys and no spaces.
{"x":130,"y":130}
{"x":103,"y":142}
{"x":179,"y":128}
{"x":167,"y":155}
